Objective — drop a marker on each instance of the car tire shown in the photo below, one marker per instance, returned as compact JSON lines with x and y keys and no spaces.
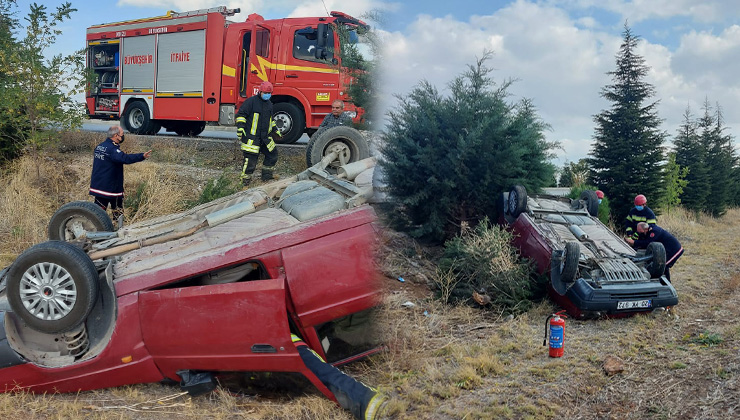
{"x":136,"y":118}
{"x":517,"y":201}
{"x":569,"y":266}
{"x":656,"y":263}
{"x":350,"y":143}
{"x":189,"y":128}
{"x":73,"y":219}
{"x":290,"y":120}
{"x":52,"y":286}
{"x":591,"y":200}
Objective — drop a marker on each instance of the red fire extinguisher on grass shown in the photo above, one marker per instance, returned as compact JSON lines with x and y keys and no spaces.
{"x":555,"y":329}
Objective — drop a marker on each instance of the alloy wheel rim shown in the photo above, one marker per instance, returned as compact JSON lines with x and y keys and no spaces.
{"x":48,"y":291}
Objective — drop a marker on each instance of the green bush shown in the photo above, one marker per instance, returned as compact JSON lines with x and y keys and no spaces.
{"x":446,"y":159}
{"x":215,"y":188}
{"x":604,"y":212}
{"x":483,"y":260}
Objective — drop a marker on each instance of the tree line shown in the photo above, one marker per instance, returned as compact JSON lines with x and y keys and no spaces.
{"x":629,"y":155}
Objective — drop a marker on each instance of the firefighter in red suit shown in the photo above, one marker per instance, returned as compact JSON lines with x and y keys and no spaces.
{"x":256,"y":129}
{"x":654,"y":233}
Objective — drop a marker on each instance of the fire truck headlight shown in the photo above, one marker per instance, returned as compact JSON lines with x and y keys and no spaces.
{"x":352,"y":114}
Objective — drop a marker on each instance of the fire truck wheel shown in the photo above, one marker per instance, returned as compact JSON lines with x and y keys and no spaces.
{"x":349,"y":144}
{"x":136,"y":118}
{"x":52,"y":286}
{"x":290,"y":120}
{"x":154,"y":128}
{"x":189,"y":128}
{"x":74,"y":219}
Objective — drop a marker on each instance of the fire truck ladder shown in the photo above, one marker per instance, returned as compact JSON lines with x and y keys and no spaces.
{"x":220,"y":9}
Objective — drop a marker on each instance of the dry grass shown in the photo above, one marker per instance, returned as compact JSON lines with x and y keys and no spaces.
{"x":443,"y":362}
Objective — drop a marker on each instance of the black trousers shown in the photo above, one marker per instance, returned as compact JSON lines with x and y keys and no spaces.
{"x":251,"y":152}
{"x":116,"y":204}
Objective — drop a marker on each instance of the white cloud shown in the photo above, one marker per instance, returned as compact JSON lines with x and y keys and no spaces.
{"x":561,"y":64}
{"x":638,"y":10}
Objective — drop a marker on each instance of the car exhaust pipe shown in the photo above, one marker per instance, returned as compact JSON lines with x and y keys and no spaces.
{"x":578,"y":232}
{"x":351,"y":170}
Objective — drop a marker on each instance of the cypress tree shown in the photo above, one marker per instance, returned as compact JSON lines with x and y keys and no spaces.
{"x":691,"y":154}
{"x":720,"y":160}
{"x":627,"y":156}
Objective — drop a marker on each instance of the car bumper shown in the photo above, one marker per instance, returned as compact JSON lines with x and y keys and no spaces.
{"x":582,"y":299}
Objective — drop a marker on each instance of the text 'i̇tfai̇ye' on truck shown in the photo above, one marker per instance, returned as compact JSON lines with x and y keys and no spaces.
{"x":183,"y":70}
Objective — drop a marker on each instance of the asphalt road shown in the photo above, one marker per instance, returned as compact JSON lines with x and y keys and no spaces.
{"x":211,"y":132}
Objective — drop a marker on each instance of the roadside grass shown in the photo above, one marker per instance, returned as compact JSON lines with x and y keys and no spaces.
{"x":442,"y":362}
{"x":170,"y":181}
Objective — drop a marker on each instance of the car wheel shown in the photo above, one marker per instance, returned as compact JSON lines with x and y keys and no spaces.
{"x":290,"y":120}
{"x":349,"y":144}
{"x":189,"y":128}
{"x":569,"y":266}
{"x":517,"y":202}
{"x":74,"y":219}
{"x":136,"y":118}
{"x":657,"y":261}
{"x":52,"y":286}
{"x":591,"y":201}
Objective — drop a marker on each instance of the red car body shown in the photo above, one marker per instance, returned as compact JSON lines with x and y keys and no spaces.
{"x":156,"y":316}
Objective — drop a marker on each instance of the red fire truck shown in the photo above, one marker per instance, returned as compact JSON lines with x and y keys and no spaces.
{"x":183,"y":70}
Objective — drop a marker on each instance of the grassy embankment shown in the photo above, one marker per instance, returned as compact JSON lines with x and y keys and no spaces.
{"x":452,"y":362}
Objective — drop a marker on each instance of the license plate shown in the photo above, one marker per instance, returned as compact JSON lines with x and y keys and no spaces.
{"x":634,"y":304}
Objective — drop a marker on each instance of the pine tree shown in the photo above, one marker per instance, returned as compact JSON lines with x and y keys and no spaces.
{"x":691,"y":154}
{"x":447,"y":159}
{"x":627,"y":156}
{"x":720,"y":160}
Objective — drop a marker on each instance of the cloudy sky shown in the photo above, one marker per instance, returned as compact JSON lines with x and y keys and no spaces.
{"x":559,"y":50}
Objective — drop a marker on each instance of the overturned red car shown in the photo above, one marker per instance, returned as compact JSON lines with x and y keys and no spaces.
{"x":224,"y":287}
{"x":592,"y":271}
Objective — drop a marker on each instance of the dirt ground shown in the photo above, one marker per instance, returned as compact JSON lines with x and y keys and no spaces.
{"x":454,"y":362}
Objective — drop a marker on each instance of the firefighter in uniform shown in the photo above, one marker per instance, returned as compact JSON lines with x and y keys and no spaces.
{"x":255,"y":129}
{"x":362,"y":401}
{"x":640,"y":213}
{"x":654,"y":233}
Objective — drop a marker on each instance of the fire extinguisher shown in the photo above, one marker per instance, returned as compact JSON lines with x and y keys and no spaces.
{"x":555,"y":328}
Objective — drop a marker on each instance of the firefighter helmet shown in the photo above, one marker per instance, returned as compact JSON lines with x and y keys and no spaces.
{"x":599,"y":194}
{"x":640,"y":200}
{"x":266,"y":87}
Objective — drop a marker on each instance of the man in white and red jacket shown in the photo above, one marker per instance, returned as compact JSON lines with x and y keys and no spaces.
{"x":106,"y":181}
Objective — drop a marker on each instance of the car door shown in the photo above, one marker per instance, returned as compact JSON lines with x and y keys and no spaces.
{"x":220,"y":327}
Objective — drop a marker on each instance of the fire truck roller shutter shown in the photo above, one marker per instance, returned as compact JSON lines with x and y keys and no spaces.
{"x":181,"y":63}
{"x":290,"y":120}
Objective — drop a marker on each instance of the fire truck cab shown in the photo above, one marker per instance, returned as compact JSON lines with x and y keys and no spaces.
{"x":181,"y":71}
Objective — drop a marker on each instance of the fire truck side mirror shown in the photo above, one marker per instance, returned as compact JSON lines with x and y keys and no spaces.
{"x":321,"y":36}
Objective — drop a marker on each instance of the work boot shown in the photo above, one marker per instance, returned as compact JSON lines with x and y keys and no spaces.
{"x":246,"y":180}
{"x":268,"y":175}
